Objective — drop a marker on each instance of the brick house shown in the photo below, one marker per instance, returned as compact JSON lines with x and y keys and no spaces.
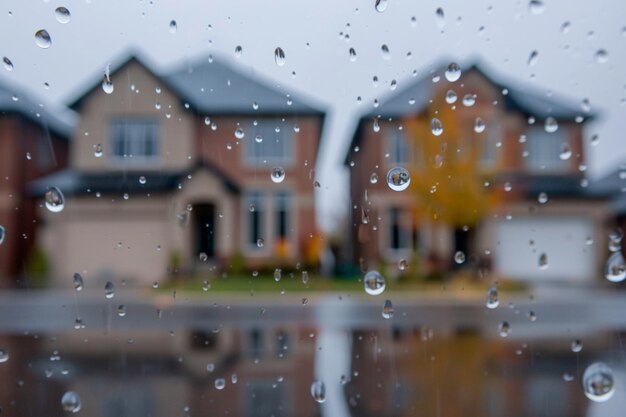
{"x":173,"y":170}
{"x":528,"y":163}
{"x":33,"y":143}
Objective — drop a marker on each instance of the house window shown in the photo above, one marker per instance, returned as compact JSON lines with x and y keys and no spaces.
{"x":282,"y":344}
{"x":398,"y":147}
{"x":282,"y":215}
{"x":399,"y":236}
{"x":489,"y":146}
{"x":136,"y":139}
{"x":255,"y":337}
{"x":544,"y":149}
{"x":254,"y":208}
{"x":270,"y":142}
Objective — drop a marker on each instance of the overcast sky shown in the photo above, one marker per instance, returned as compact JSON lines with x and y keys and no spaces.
{"x":308,"y":32}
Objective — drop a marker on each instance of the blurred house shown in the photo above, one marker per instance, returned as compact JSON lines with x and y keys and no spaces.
{"x":172,"y":171}
{"x":33,"y":143}
{"x":497,"y":180}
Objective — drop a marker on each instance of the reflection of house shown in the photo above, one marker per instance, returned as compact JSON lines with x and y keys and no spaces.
{"x":174,"y":170}
{"x":33,"y":142}
{"x":519,"y":145}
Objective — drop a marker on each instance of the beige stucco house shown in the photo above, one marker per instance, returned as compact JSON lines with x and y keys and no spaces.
{"x":171,"y":172}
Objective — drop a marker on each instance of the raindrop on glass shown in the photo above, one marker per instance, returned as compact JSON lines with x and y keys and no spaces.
{"x":440,"y":17}
{"x":459,"y":257}
{"x":543,"y":261}
{"x":78,"y":282}
{"x":374,"y":178}
{"x":597,"y":381}
{"x":398,"y":179}
{"x":566,"y":152}
{"x":238,"y":51}
{"x":142,"y":180}
{"x":71,"y":402}
{"x":109,"y":290}
{"x":352,"y":53}
{"x":278,"y":273}
{"x":62,"y":14}
{"x":453,"y":72}
{"x":403,"y":264}
{"x":381,"y":5}
{"x":4,"y":355}
{"x":42,"y":39}
{"x":97,"y":152}
{"x":388,"y":309}
{"x":220,"y":383}
{"x":615,"y":268}
{"x":536,"y":6}
{"x":374,"y":283}
{"x":54,"y":200}
{"x":385,"y":51}
{"x":533,"y":58}
{"x":8,"y":65}
{"x":107,"y":85}
{"x":469,"y":100}
{"x":602,"y":56}
{"x":436,"y":127}
{"x":3,"y":233}
{"x":279,"y":57}
{"x":173,"y":26}
{"x":479,"y":125}
{"x":260,"y":242}
{"x":542,"y":198}
{"x":504,"y":329}
{"x":278,"y":175}
{"x":451,"y":97}
{"x":318,"y":391}
{"x":576,"y":346}
{"x":121,"y":310}
{"x":492,"y":301}
{"x":239,"y":134}
{"x":551,"y":125}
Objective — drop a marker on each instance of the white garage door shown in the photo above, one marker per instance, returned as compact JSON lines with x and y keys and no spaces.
{"x":520,"y":243}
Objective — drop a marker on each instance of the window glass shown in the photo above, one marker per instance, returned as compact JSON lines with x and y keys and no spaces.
{"x":544,"y":149}
{"x":271,"y":142}
{"x":135,"y":139}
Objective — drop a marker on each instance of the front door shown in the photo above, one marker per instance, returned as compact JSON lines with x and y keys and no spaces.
{"x":204,"y":229}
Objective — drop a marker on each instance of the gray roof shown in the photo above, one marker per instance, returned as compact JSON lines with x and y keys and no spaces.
{"x":27,"y":106}
{"x":519,"y":98}
{"x":212,"y":87}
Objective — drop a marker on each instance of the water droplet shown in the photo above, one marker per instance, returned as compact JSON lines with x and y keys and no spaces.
{"x":453,"y":72}
{"x":386,"y":53}
{"x":8,"y":65}
{"x":352,"y":54}
{"x":318,"y":391}
{"x":305,"y":277}
{"x":71,"y":402}
{"x":388,"y":309}
{"x":436,"y":127}
{"x":121,"y":310}
{"x":533,"y":58}
{"x":374,"y":178}
{"x":220,"y":383}
{"x":109,"y":290}
{"x":3,"y":234}
{"x":62,"y":14}
{"x":279,"y":57}
{"x":78,"y":282}
{"x":440,"y":18}
{"x":54,"y":200}
{"x":374,"y":283}
{"x":238,"y":51}
{"x":566,"y":152}
{"x":398,"y":179}
{"x":403,"y":264}
{"x":260,"y":242}
{"x":142,"y":180}
{"x":459,"y":257}
{"x":42,"y":39}
{"x":381,"y":5}
{"x":551,"y":125}
{"x":173,"y":26}
{"x":615,"y":268}
{"x":543,"y":261}
{"x":239,"y":134}
{"x":278,"y":274}
{"x":376,"y":126}
{"x":576,"y":346}
{"x":479,"y":125}
{"x":532,"y":316}
{"x":504,"y":329}
{"x":107,"y":85}
{"x":469,"y":100}
{"x":451,"y":97}
{"x":278,"y":175}
{"x":97,"y":150}
{"x":492,"y":301}
{"x":536,"y":6}
{"x":602,"y":56}
{"x":597,"y":381}
{"x":4,"y":355}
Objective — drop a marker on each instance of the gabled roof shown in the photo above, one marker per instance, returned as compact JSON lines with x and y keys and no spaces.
{"x":211,"y":87}
{"x":28,"y":107}
{"x":74,"y":182}
{"x":415,"y":98}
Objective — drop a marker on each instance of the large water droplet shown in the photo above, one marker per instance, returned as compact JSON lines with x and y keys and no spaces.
{"x":374,"y":283}
{"x":260,"y":242}
{"x":597,"y":381}
{"x":543,"y":261}
{"x":318,"y":391}
{"x":551,"y":125}
{"x":533,"y":58}
{"x":388,"y":310}
{"x":78,"y":282}
{"x":220,"y":383}
{"x":4,"y":355}
{"x":398,"y":179}
{"x":239,"y":133}
{"x":107,"y":85}
{"x":279,"y":57}
{"x":504,"y":329}
{"x":109,"y":290}
{"x":566,"y":152}
{"x":469,"y":100}
{"x":62,"y":14}
{"x":436,"y":127}
{"x":71,"y":402}
{"x":8,"y":65}
{"x":536,"y":6}
{"x":453,"y":72}
{"x":381,"y":5}
{"x":121,"y":310}
{"x":42,"y":39}
{"x":278,"y":175}
{"x":492,"y":301}
{"x":542,"y":198}
{"x":459,"y":257}
{"x":3,"y":233}
{"x":479,"y":125}
{"x":352,"y":53}
{"x":386,"y":53}
{"x":374,"y":178}
{"x":615,"y":268}
{"x":55,"y":202}
{"x":451,"y":97}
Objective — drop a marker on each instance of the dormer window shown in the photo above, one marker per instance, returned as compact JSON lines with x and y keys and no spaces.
{"x":544,"y":150}
{"x":135,"y":139}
